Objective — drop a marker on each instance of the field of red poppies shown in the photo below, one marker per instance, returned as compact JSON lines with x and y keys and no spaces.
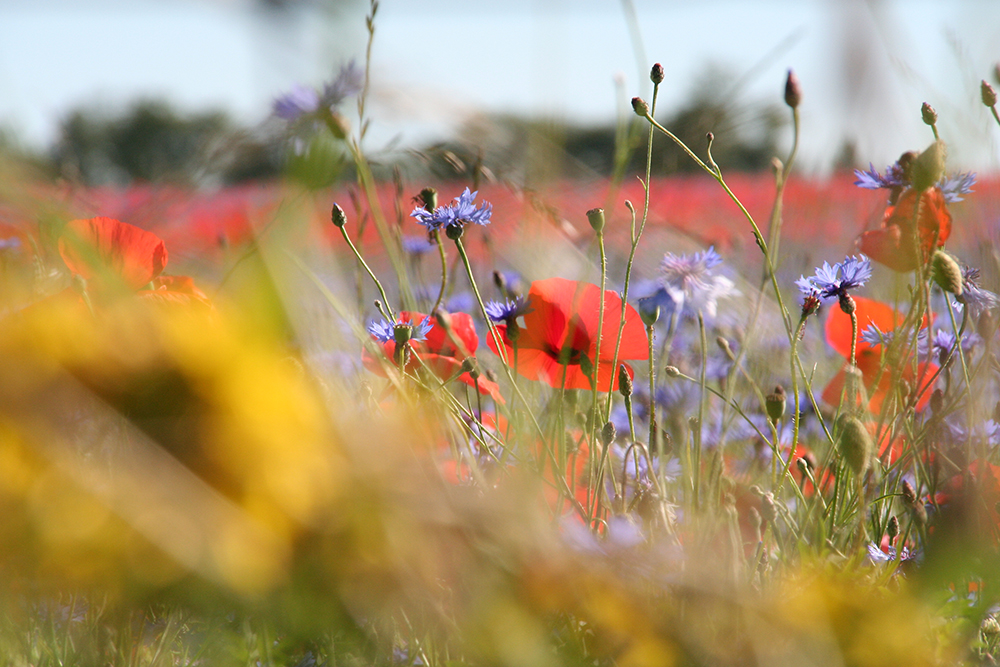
{"x":714,"y":419}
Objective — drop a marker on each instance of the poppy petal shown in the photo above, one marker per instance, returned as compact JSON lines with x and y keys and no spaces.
{"x":103,"y":247}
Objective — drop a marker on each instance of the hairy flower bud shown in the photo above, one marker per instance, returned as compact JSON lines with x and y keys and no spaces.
{"x":847,"y":303}
{"x":337,"y":216}
{"x":989,"y":95}
{"x":855,"y":444}
{"x":909,"y":495}
{"x":793,"y":94}
{"x":454,"y":231}
{"x":937,"y":401}
{"x":656,"y":73}
{"x":775,"y":403}
{"x":726,"y":348}
{"x":928,"y":114}
{"x":671,"y":371}
{"x":640,"y":107}
{"x":596,"y":218}
{"x":946,"y":272}
{"x":928,"y":168}
{"x":624,"y":381}
{"x":892,"y":530}
{"x":608,"y":434}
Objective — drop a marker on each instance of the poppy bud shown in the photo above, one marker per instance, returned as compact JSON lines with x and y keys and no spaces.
{"x":793,"y":94}
{"x":928,"y":114}
{"x":892,"y":530}
{"x":624,"y":381}
{"x":946,"y":272}
{"x":454,"y":231}
{"x":337,"y":216}
{"x":768,"y":512}
{"x":429,"y":196}
{"x":640,"y":107}
{"x":855,"y":444}
{"x":649,"y":311}
{"x":596,"y":218}
{"x":656,"y":73}
{"x":775,"y":402}
{"x":989,"y":95}
{"x":587,"y":366}
{"x":928,"y":168}
{"x":847,"y":303}
{"x":608,"y":434}
{"x":909,"y":495}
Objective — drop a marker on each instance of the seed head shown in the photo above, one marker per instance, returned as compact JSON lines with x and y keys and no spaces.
{"x":429,"y":198}
{"x":855,"y":444}
{"x":775,"y":403}
{"x":596,"y":218}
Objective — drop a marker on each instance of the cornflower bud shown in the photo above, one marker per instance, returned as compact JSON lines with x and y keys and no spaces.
{"x":928,"y":168}
{"x":725,"y":347}
{"x":855,"y":444}
{"x":454,"y":231}
{"x":847,"y":303}
{"x":596,"y":218}
{"x":656,"y":73}
{"x":429,"y":197}
{"x":337,"y":216}
{"x":928,"y":114}
{"x":892,"y":530}
{"x":768,"y":512}
{"x":909,"y":495}
{"x":624,"y":381}
{"x":989,"y":95}
{"x":946,"y":272}
{"x":640,"y":107}
{"x":775,"y":402}
{"x":793,"y":94}
{"x":810,"y":305}
{"x":608,"y":434}
{"x":671,"y":371}
{"x":937,"y":401}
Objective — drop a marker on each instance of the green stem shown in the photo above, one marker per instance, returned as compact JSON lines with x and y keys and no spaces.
{"x":361,"y":260}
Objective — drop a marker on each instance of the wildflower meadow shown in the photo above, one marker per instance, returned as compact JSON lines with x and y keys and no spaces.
{"x":705,"y":419}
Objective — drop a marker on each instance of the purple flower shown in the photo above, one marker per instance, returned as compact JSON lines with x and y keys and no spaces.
{"x":872,"y":180}
{"x":462,"y":212}
{"x":875,"y":336}
{"x":349,"y":82}
{"x":506,"y":311}
{"x":835,"y":281}
{"x":416,"y":245}
{"x":975,"y":298}
{"x":297,"y":103}
{"x":957,"y":185}
{"x":385,"y":331}
{"x":688,"y":280}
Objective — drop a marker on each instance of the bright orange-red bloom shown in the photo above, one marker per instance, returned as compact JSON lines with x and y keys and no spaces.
{"x":893,"y":245}
{"x":440,"y":352}
{"x":869,"y":358}
{"x":116,"y":256}
{"x":560,"y":331}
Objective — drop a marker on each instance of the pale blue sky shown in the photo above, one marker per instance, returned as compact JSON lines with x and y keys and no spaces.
{"x":865,"y":67}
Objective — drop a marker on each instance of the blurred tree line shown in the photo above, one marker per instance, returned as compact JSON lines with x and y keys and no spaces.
{"x":151,"y":142}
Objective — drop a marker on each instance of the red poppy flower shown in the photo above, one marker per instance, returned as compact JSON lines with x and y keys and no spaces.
{"x":869,"y":358}
{"x":892,"y":244}
{"x":115,"y":256}
{"x":561,"y":329}
{"x":440,"y":352}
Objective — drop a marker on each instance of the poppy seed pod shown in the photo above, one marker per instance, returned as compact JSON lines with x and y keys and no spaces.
{"x":429,"y":197}
{"x":596,"y":218}
{"x":928,"y":168}
{"x":855,"y":444}
{"x":624,"y":381}
{"x":946,"y":272}
{"x":640,"y":107}
{"x":775,"y":403}
{"x":656,"y":73}
{"x":989,"y":95}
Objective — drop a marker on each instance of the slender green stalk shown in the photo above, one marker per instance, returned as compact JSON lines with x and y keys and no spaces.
{"x":362,"y":262}
{"x":444,"y":270}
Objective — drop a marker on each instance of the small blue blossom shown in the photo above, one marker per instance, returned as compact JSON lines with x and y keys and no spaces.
{"x":872,"y":180}
{"x":297,"y":103}
{"x":384,"y":331}
{"x":975,"y":298}
{"x":957,"y":185}
{"x":835,"y":281}
{"x":306,"y":109}
{"x":876,"y":555}
{"x":689,"y":282}
{"x":462,"y":212}
{"x":349,"y":82}
{"x":875,"y":336}
{"x":505,"y":311}
{"x":416,"y":245}
{"x":988,"y":431}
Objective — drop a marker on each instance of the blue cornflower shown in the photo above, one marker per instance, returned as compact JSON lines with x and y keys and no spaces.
{"x":306,"y":109}
{"x":957,"y":185}
{"x":385,"y":331}
{"x":462,"y":212}
{"x":875,"y":336}
{"x":974,"y":297}
{"x":872,"y":180}
{"x":296,"y":103}
{"x":837,"y":280}
{"x":689,"y":282}
{"x":506,"y":311}
{"x":349,"y":82}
